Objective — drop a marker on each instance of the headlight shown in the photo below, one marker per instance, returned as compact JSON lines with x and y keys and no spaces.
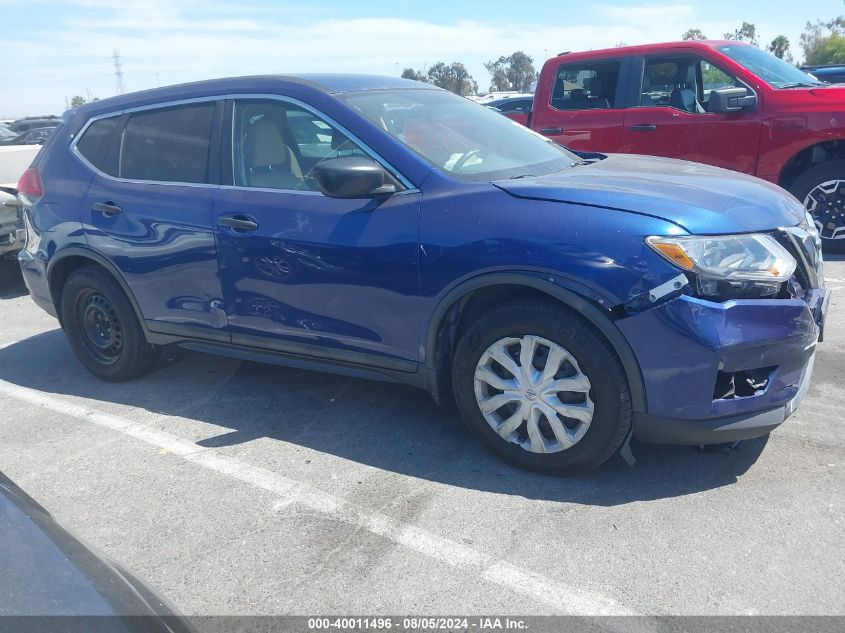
{"x":729,"y":266}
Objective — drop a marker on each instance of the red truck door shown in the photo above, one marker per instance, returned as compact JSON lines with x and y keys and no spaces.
{"x":580,"y":108}
{"x":672,"y":117}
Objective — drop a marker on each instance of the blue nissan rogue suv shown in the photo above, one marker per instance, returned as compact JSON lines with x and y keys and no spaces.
{"x":388,"y":229}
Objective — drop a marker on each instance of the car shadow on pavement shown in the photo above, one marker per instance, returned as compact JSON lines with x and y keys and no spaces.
{"x":387,"y":426}
{"x":11,"y":281}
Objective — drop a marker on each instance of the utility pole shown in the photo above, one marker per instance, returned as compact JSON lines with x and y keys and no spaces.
{"x":119,"y":88}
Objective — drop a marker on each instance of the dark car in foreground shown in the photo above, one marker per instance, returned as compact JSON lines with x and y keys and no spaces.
{"x":51,"y":581}
{"x":517,"y":107}
{"x":564,"y":301}
{"x":6,"y":133}
{"x":831,"y":73}
{"x":31,"y":122}
{"x":35,"y":136}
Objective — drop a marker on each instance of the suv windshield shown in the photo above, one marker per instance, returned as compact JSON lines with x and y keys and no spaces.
{"x":465,"y":139}
{"x":774,"y":71}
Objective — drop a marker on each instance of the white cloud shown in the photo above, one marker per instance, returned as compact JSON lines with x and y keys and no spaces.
{"x":647,"y":15}
{"x":172,"y":41}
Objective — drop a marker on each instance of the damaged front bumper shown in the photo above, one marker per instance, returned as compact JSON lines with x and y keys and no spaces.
{"x":723,"y":372}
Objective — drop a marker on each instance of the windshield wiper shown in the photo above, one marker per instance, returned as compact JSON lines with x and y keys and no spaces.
{"x":523,"y":176}
{"x":802,"y":84}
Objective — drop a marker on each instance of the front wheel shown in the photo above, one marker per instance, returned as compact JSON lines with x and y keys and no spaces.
{"x":102,"y":328}
{"x":822,"y":190}
{"x":541,"y":387}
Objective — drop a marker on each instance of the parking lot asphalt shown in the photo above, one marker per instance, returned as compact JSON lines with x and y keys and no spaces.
{"x":239,"y":488}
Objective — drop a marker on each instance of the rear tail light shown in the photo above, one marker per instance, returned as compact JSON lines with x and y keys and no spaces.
{"x":30,"y":184}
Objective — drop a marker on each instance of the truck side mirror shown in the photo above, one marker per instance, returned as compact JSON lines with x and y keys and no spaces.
{"x":732,"y":100}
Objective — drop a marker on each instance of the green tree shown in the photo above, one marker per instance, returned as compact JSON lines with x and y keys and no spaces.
{"x":77,"y":101}
{"x":498,"y":78}
{"x":416,"y":75}
{"x":780,"y":48}
{"x":464,"y":83}
{"x":746,"y":33}
{"x":512,"y":72}
{"x":693,"y":34}
{"x":824,"y":42}
{"x":453,"y":77}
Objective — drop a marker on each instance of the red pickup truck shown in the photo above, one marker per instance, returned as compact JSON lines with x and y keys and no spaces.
{"x":719,"y":102}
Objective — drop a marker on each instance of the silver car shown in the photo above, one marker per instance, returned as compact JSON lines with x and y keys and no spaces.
{"x":12,"y":233}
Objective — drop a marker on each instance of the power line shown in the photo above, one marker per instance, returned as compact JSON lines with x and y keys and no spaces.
{"x":119,"y":88}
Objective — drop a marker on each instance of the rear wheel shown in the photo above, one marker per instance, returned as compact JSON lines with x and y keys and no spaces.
{"x":822,"y":190}
{"x":541,"y":387}
{"x":102,"y":328}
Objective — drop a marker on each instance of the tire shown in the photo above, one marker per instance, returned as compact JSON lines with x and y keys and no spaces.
{"x":827,"y":207}
{"x":552,"y":325}
{"x":103,"y":329}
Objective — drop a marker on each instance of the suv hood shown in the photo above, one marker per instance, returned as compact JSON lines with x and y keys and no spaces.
{"x":698,"y":198}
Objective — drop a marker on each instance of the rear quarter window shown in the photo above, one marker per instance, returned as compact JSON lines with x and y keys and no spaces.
{"x":95,"y":143}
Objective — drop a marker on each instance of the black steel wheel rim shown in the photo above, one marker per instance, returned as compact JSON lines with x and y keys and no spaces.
{"x":826,"y":203}
{"x":100,"y":328}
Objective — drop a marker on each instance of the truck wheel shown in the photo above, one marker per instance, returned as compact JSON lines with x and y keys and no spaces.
{"x":539,"y":386}
{"x":822,"y":190}
{"x":102,"y":328}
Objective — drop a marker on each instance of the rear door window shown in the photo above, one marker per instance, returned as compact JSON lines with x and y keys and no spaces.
{"x":586,"y":85}
{"x":168,"y":144}
{"x":95,"y":143}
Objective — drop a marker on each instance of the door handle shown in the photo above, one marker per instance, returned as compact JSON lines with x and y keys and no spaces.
{"x":643,"y":127}
{"x":108,"y":209}
{"x":238,"y":223}
{"x":551,"y":131}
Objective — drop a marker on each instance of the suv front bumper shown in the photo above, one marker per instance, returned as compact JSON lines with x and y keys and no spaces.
{"x":684,"y":344}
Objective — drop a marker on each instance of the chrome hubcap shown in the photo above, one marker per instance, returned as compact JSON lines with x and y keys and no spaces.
{"x":826,"y":203}
{"x":532,"y":392}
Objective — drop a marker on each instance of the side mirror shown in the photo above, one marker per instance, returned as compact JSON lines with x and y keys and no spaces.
{"x":732,"y":100}
{"x":352,"y":177}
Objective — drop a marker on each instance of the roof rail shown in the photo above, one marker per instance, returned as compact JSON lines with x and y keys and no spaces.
{"x":564,"y":53}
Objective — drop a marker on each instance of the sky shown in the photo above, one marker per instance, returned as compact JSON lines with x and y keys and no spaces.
{"x":51,"y":51}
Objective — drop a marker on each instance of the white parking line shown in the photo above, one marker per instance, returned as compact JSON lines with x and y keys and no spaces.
{"x":561,"y":597}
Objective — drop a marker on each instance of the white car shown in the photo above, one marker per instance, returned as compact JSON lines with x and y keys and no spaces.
{"x":12,"y":232}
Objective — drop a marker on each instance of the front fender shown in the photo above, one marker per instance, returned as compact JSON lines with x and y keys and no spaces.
{"x":573,"y":294}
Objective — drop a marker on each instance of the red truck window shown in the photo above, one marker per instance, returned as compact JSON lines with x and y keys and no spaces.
{"x":681,"y":82}
{"x":586,"y":85}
